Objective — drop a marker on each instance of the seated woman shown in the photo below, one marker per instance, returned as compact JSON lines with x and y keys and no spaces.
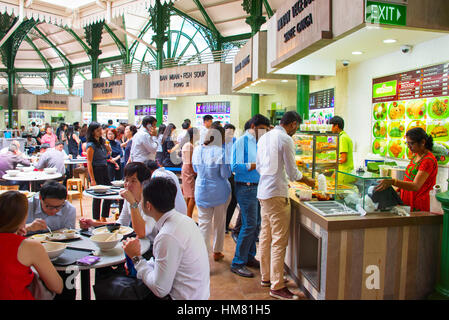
{"x":20,"y":254}
{"x":421,"y":174}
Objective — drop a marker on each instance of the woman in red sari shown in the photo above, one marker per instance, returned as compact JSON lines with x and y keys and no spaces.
{"x":421,"y":174}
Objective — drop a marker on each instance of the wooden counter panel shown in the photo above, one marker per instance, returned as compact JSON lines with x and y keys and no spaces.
{"x":372,"y":220}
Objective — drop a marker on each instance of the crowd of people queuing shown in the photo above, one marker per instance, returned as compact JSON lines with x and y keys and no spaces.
{"x":218,"y":171}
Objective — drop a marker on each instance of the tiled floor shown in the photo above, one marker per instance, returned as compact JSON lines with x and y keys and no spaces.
{"x":224,"y":285}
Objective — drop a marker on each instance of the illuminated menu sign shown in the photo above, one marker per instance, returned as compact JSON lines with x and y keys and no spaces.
{"x":322,"y":100}
{"x":148,"y":110}
{"x":428,"y":82}
{"x":52,"y":102}
{"x":213,"y":107}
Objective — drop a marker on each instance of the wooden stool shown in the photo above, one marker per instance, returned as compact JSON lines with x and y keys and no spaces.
{"x":78,"y":183}
{"x":85,"y":180}
{"x":9,"y":188}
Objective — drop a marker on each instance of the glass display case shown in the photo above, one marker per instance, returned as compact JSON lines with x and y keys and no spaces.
{"x":356,"y":190}
{"x":317,"y":153}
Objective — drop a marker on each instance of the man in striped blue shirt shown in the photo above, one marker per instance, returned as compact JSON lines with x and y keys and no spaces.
{"x":243,"y":164}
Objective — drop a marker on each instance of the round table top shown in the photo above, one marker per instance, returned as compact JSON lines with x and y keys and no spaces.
{"x":75,"y":161}
{"x":111,"y":197}
{"x":107,"y":258}
{"x":33,"y":176}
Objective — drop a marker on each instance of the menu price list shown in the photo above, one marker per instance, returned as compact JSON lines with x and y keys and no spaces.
{"x":428,"y":82}
{"x":322,"y":100}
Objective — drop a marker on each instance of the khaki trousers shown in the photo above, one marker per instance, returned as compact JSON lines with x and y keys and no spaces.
{"x":273,"y":239}
{"x":212,"y":222}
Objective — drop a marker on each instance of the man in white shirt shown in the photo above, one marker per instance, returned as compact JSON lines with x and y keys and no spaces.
{"x":276,"y":164}
{"x":157,"y":171}
{"x":207,"y":123}
{"x":145,"y":142}
{"x":180,"y":267}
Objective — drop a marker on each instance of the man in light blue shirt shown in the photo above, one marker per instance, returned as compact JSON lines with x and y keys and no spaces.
{"x":244,"y":155}
{"x":50,"y":208}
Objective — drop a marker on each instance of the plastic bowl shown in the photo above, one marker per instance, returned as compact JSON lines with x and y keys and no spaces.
{"x":118,"y":183}
{"x":27,"y":169}
{"x":12,"y":173}
{"x":99,"y":240}
{"x":50,"y":170}
{"x":70,"y":233}
{"x":54,"y":249}
{"x":100,"y":188}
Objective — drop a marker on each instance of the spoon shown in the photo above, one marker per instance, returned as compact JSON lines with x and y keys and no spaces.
{"x":51,"y":233}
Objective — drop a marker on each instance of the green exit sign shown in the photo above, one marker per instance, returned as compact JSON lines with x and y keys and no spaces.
{"x":385,"y":13}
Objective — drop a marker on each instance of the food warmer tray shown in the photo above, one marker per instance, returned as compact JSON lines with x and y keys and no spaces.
{"x":331,"y":208}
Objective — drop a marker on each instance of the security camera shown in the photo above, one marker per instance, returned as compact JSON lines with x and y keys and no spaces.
{"x":406,"y":49}
{"x":345,"y":63}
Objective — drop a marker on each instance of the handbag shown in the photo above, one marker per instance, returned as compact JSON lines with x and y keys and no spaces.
{"x":38,"y":288}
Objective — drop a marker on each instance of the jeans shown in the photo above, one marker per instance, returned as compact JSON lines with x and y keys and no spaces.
{"x":250,"y":212}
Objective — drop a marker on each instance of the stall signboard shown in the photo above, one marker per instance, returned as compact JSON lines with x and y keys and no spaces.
{"x":377,"y":12}
{"x":301,"y":25}
{"x":52,"y":102}
{"x":321,"y":106}
{"x":183,"y":81}
{"x":112,"y":88}
{"x":220,"y":111}
{"x":417,"y":98}
{"x":243,"y":70}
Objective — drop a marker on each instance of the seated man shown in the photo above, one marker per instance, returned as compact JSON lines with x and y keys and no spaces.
{"x":9,"y":161}
{"x":157,"y":171}
{"x":135,"y":175}
{"x":50,"y":208}
{"x":52,"y":157}
{"x":180,"y":267}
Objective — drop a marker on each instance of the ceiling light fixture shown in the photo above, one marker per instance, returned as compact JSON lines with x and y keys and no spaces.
{"x":387,"y":41}
{"x":284,"y":81}
{"x":357,"y":53}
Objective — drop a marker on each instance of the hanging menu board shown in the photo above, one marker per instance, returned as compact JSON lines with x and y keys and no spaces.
{"x":403,"y":101}
{"x":220,"y":111}
{"x":52,"y":102}
{"x":140,"y":111}
{"x":321,"y":106}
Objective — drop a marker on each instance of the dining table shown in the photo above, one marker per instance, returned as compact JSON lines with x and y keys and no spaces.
{"x":70,"y":163}
{"x":83,"y":246}
{"x":33,"y":177}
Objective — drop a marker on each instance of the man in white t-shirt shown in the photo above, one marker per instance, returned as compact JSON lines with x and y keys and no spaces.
{"x":180,"y":267}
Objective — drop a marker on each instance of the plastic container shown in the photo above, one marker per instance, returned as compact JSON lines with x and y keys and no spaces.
{"x":322,"y":185}
{"x":435,"y":205}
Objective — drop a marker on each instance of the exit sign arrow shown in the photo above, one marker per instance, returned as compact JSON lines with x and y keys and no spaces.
{"x":385,"y":13}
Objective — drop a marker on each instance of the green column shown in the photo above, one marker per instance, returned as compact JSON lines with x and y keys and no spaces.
{"x":160,"y":17}
{"x":93,"y":37}
{"x":302,"y":96}
{"x":255,"y":100}
{"x":442,"y":287}
{"x":11,"y":82}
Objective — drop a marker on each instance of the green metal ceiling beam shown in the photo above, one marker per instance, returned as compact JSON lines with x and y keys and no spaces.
{"x":185,"y":15}
{"x":239,"y":37}
{"x":88,"y":64}
{"x":77,"y":38}
{"x":41,"y":56}
{"x":121,"y":47}
{"x":268,"y":8}
{"x":63,"y":58}
{"x":189,"y":43}
{"x":178,"y":37}
{"x":135,"y":44}
{"x":206,"y":17}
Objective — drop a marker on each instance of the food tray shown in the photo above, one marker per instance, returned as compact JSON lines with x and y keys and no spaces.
{"x":331,"y":209}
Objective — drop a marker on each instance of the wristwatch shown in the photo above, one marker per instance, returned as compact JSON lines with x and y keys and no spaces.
{"x":136,"y":259}
{"x":135,"y":205}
